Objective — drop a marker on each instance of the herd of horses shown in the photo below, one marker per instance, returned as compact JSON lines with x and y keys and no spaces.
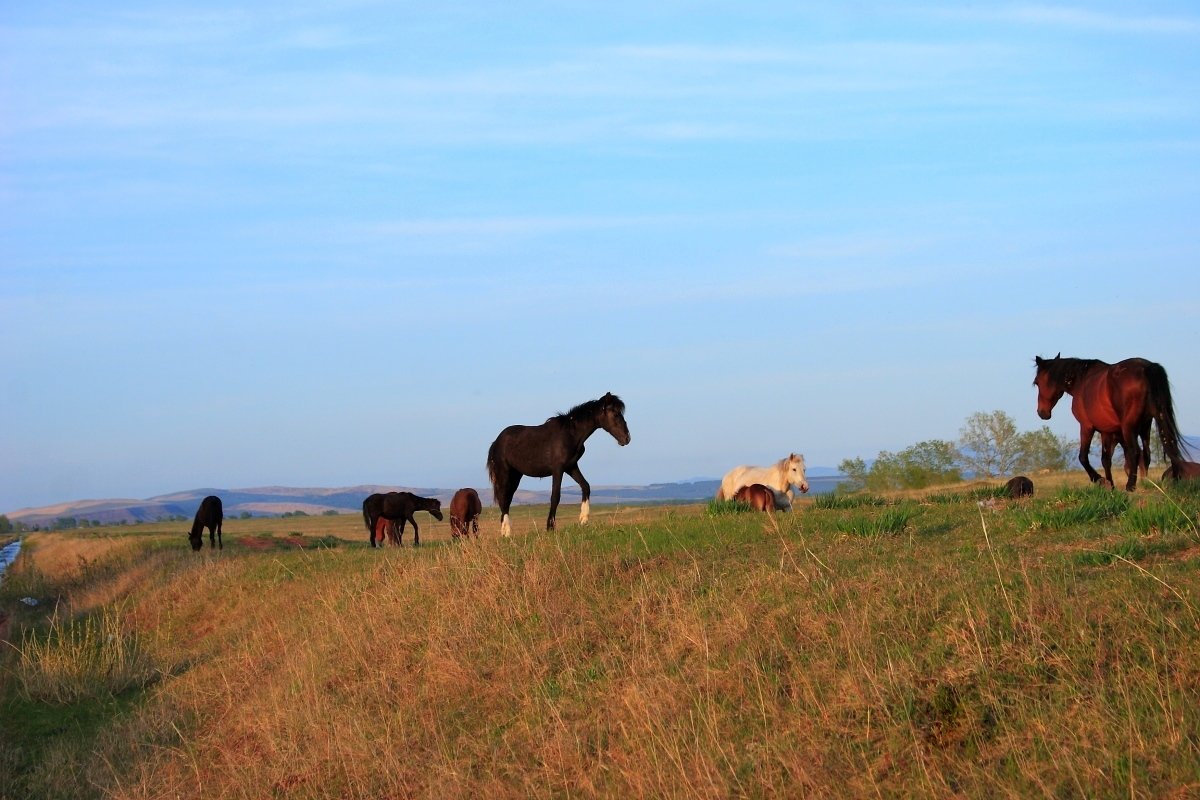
{"x":1118,"y":401}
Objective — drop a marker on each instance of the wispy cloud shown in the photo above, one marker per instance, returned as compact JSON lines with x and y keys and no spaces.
{"x":1089,"y":20}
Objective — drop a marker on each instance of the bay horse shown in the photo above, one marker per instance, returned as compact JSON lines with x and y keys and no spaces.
{"x":387,"y":529}
{"x":1117,"y":400}
{"x":465,"y":508}
{"x":208,"y":515}
{"x":780,"y":476}
{"x":552,"y":449}
{"x":399,"y":507}
{"x":757,"y":496}
{"x":1183,"y":471}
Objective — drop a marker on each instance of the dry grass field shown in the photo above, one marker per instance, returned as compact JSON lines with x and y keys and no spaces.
{"x":950,"y":644}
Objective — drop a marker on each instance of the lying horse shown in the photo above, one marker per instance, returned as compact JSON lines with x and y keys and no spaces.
{"x":780,"y":476}
{"x":465,"y":508}
{"x":1183,"y":471}
{"x":757,"y":496}
{"x":208,"y":515}
{"x":399,"y":507}
{"x":1019,"y":487}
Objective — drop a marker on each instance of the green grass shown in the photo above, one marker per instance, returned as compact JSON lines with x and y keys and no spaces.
{"x":916,"y":648}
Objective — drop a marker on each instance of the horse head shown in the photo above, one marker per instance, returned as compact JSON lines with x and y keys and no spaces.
{"x":436,"y":510}
{"x":1049,"y":383}
{"x":196,"y":539}
{"x":794,"y":469}
{"x":612,"y":418}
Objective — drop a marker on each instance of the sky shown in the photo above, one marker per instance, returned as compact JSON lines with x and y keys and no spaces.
{"x":341,"y":243}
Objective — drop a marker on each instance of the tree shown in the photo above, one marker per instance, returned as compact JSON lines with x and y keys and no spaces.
{"x":990,"y":444}
{"x":992,"y":447}
{"x":5,"y":525}
{"x":923,"y":464}
{"x":1042,"y":449}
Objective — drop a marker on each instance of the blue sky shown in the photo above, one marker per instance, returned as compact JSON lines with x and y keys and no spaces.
{"x":325,"y":244}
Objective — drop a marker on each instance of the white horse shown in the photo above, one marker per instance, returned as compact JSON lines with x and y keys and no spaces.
{"x":780,"y":477}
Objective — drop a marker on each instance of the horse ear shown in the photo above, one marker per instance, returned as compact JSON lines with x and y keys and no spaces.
{"x":1057,"y":357}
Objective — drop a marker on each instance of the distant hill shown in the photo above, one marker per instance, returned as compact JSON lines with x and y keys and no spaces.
{"x":275,"y":500}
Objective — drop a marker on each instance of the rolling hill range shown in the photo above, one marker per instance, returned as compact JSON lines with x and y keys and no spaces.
{"x":275,"y":500}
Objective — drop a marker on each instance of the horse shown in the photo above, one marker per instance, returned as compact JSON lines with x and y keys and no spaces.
{"x":757,"y":496}
{"x":1183,"y":471}
{"x":1118,"y":400}
{"x":401,"y":508}
{"x":208,"y":515}
{"x":387,"y":529}
{"x":551,"y":449}
{"x":465,"y":508}
{"x":1019,"y":487}
{"x":780,"y":476}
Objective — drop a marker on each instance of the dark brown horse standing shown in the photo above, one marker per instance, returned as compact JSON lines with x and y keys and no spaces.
{"x":399,"y":507}
{"x":208,"y":515}
{"x":551,"y":449}
{"x":1118,"y":401}
{"x":757,"y":496}
{"x":465,"y":508}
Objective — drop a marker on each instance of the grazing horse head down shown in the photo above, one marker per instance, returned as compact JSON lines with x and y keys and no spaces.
{"x":465,"y":508}
{"x":780,"y":476}
{"x":1118,"y":401}
{"x":208,"y":515}
{"x":551,"y":450}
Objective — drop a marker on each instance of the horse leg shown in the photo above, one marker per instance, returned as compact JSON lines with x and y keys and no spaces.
{"x":1085,"y":444}
{"x":585,"y":506}
{"x":507,"y":480}
{"x":555,"y":494}
{"x":220,"y":543}
{"x":1108,"y":443}
{"x":1133,"y":456}
{"x":416,"y":531}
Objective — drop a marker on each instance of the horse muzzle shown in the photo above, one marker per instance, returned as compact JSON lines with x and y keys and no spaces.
{"x":1044,"y":413}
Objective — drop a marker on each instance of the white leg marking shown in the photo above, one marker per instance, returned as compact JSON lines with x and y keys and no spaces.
{"x":505,"y":526}
{"x":585,"y":508}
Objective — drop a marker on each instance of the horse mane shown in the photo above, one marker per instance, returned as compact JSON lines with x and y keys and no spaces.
{"x":591,"y":408}
{"x":1065,"y":371}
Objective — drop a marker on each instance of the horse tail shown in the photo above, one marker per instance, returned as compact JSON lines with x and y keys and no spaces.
{"x":1174,"y":448}
{"x":491,"y":468}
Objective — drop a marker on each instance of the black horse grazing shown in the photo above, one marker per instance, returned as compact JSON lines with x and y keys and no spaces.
{"x":399,"y":507}
{"x":550,"y":450}
{"x":208,"y":515}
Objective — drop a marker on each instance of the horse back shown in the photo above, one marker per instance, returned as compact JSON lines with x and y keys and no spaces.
{"x":210,"y":514}
{"x":535,"y":450}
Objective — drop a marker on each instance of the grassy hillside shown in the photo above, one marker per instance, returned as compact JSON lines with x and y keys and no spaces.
{"x":947,"y":645}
